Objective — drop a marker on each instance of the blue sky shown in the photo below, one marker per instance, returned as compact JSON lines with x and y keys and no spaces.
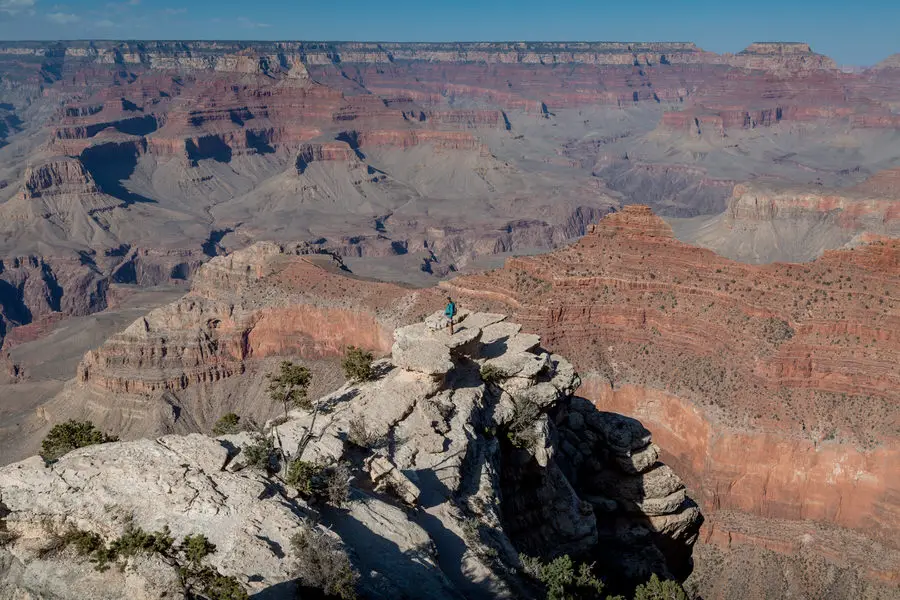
{"x":862,"y":32}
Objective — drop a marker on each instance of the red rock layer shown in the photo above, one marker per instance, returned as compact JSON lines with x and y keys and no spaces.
{"x":772,"y":389}
{"x":870,"y":204}
{"x":252,"y":304}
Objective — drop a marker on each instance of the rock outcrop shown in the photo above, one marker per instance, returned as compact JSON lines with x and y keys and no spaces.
{"x":468,"y":474}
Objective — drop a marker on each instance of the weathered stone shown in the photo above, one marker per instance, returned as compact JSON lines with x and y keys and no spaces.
{"x":541,"y":395}
{"x":522,"y":342}
{"x":430,"y":357}
{"x":494,"y":338}
{"x":481,"y":320}
{"x":640,"y":461}
{"x":622,"y":434}
{"x":385,"y":474}
{"x":520,"y":364}
{"x":601,"y":503}
{"x":658,"y":506}
{"x":681,"y":525}
{"x":464,"y":341}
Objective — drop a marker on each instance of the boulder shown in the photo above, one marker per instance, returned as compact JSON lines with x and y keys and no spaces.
{"x":385,"y":474}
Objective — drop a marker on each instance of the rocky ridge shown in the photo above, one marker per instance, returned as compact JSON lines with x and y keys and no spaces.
{"x":266,"y":57}
{"x":440,"y":509}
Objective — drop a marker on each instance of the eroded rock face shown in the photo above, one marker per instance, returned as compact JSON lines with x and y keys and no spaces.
{"x":765,"y":223}
{"x":795,"y":422}
{"x":441,"y":507}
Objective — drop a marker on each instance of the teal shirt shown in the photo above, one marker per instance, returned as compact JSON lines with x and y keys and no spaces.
{"x":450,"y":311}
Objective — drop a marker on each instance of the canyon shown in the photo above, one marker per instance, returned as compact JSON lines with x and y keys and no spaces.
{"x":769,"y":389}
{"x":710,"y":238}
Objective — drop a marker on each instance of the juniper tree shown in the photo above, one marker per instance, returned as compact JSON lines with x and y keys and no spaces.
{"x":290,"y":385}
{"x":68,"y":436}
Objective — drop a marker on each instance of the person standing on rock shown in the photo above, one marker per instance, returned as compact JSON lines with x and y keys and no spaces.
{"x":450,"y":312}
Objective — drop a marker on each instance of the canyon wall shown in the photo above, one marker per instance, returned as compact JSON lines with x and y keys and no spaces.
{"x":770,"y":389}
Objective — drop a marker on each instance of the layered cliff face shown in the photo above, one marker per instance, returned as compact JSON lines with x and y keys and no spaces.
{"x":782,"y":57}
{"x":137,"y":162}
{"x":451,"y":457}
{"x":176,"y":368}
{"x":891,"y":62}
{"x":768,"y":222}
{"x":770,"y":389}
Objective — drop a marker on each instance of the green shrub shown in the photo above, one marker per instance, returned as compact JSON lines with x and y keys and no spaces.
{"x":657,"y":589}
{"x":68,"y":436}
{"x":197,"y":580}
{"x":84,"y":542}
{"x":561,"y":579}
{"x":330,"y":484}
{"x":491,"y":374}
{"x":323,"y":564}
{"x":216,"y":586}
{"x":136,"y":541}
{"x":357,"y":364}
{"x":196,"y":548}
{"x":307,"y":477}
{"x":260,"y":454}
{"x":227,"y":424}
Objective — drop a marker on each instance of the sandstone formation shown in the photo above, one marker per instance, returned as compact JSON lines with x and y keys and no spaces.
{"x":891,"y":62}
{"x":178,"y":368}
{"x":450,"y":455}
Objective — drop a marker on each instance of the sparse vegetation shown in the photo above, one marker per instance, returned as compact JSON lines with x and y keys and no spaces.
{"x":68,"y":436}
{"x":330,"y":484}
{"x":227,"y":424}
{"x":357,"y":364}
{"x":491,"y":374}
{"x":563,"y":581}
{"x":323,"y":564}
{"x":6,"y":536}
{"x":289,"y":386}
{"x":657,"y":589}
{"x":198,"y":580}
{"x":337,"y":491}
{"x":521,"y":430}
{"x":307,"y":477}
{"x":359,"y":435}
{"x":777,"y":331}
{"x":261,"y":454}
{"x":84,"y":542}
